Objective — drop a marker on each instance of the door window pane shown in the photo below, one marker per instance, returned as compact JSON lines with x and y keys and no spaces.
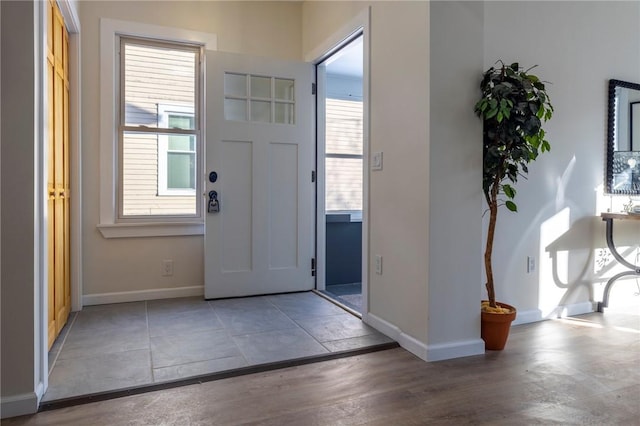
{"x":284,"y":113}
{"x":260,"y":87}
{"x":235,"y":109}
{"x":261,"y":111}
{"x":269,"y":99}
{"x":284,"y":89}
{"x":235,"y":85}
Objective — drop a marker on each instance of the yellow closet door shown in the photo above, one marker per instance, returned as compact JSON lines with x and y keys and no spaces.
{"x":58,"y":177}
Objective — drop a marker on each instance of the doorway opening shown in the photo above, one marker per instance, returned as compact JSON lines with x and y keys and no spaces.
{"x":340,"y":102}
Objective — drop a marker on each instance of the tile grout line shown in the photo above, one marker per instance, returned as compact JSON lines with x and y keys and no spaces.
{"x":146,"y":316}
{"x":226,"y":330}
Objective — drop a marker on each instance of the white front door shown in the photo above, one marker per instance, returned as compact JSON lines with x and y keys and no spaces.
{"x":260,"y":143}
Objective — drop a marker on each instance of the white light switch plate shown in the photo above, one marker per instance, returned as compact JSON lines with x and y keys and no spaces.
{"x":376,"y":163}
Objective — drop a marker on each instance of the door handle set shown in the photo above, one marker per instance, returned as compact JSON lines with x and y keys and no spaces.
{"x":213,"y":205}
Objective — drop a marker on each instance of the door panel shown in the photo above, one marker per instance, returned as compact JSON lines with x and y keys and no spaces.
{"x":260,"y":142}
{"x":59,"y":289}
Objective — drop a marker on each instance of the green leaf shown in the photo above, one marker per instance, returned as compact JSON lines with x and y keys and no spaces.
{"x":492,"y":113}
{"x":500,"y":117}
{"x":509,"y":191}
{"x":511,"y":206}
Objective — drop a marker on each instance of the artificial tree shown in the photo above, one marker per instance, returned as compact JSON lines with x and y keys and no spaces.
{"x":513,"y":106}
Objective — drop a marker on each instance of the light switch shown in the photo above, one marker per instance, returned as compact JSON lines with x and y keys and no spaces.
{"x":376,"y":163}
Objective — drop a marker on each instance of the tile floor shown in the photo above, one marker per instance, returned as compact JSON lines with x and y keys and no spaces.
{"x":111,"y":347}
{"x":348,"y":294}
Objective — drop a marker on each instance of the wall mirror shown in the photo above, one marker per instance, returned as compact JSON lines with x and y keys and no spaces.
{"x":623,"y":138}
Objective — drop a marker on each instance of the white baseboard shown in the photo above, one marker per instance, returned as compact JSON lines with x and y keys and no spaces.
{"x":455,"y":349}
{"x":525,"y":317}
{"x":423,"y":351}
{"x":574,"y":309}
{"x":18,"y":405}
{"x":140,"y":295}
{"x":535,"y":315}
{"x":410,"y":343}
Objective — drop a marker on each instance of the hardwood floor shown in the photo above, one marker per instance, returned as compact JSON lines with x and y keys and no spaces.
{"x":576,"y":371}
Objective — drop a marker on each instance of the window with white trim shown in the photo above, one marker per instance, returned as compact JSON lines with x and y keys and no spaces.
{"x":177,"y":156}
{"x":159,"y":129}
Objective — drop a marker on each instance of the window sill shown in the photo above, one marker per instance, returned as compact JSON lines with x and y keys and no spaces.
{"x":150,"y":229}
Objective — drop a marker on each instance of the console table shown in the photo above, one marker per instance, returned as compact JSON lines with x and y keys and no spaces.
{"x":633,"y":269}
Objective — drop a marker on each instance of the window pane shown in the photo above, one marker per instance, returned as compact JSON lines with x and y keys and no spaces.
{"x":260,"y":87}
{"x":235,"y":109}
{"x":140,"y":174}
{"x":180,"y":171}
{"x":343,"y":184}
{"x":343,"y":127}
{"x":181,"y":122}
{"x":261,"y":111}
{"x":156,"y":75}
{"x":235,"y":85}
{"x":284,"y":89}
{"x":284,"y":113}
{"x":181,"y":143}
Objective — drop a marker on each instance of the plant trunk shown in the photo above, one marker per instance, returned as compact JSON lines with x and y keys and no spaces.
{"x":493,"y":216}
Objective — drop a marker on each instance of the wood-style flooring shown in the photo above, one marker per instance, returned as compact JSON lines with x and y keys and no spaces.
{"x":581,"y":370}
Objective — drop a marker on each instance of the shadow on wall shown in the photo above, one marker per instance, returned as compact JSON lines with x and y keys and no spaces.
{"x":588,"y":235}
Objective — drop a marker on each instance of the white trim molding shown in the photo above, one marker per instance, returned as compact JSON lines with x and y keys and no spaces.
{"x":436,"y":352}
{"x":18,"y":405}
{"x":408,"y":342}
{"x":455,"y":349}
{"x":109,"y":30}
{"x":525,"y":317}
{"x":150,"y":229}
{"x":141,"y":295}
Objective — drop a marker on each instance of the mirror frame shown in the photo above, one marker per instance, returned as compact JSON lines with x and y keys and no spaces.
{"x":613,"y":84}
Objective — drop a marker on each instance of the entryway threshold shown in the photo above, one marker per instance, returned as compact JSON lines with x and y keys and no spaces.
{"x":253,"y":369}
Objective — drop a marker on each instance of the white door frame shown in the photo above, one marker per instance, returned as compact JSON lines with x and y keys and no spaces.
{"x":359,"y":24}
{"x":41,"y":305}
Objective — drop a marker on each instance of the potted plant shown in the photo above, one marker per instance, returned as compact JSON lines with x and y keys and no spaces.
{"x":513,"y":106}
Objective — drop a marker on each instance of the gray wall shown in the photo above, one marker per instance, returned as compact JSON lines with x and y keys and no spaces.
{"x":18,"y":177}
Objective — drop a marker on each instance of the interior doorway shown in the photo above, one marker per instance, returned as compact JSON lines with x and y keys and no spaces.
{"x":340,"y":108}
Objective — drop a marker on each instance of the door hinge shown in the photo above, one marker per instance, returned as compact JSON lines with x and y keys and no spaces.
{"x":313,"y":176}
{"x":313,"y":88}
{"x":313,"y":266}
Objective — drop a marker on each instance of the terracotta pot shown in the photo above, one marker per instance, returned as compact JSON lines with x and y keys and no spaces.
{"x":495,"y":328}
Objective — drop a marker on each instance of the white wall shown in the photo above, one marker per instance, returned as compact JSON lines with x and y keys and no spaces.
{"x":455,"y":179}
{"x":133,"y":264}
{"x":578,"y":46}
{"x":399,"y":119}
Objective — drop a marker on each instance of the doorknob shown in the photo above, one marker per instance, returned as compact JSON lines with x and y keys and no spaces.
{"x":213,"y":206}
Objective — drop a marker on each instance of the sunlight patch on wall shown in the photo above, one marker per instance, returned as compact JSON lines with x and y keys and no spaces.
{"x":550,"y":295}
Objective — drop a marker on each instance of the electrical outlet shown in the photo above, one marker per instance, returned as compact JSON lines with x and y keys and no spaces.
{"x":531,"y":264}
{"x":167,"y":268}
{"x":378,"y":264}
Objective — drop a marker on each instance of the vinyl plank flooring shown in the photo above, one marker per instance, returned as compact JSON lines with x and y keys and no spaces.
{"x":530,"y":382}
